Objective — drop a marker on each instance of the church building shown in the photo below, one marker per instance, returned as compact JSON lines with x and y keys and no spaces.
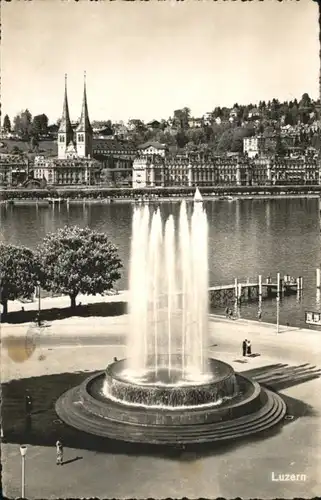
{"x":75,"y":164}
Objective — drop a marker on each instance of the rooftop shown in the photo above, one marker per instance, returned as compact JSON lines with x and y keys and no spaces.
{"x":156,"y":145}
{"x":112,"y":145}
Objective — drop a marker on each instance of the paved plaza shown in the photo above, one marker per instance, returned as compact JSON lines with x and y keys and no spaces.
{"x":288,"y":361}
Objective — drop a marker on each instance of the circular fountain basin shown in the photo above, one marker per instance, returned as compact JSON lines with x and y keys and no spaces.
{"x":170,"y":388}
{"x":89,"y":408}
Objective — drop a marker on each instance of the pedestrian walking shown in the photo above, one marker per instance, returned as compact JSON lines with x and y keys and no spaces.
{"x":60,"y":453}
{"x":248,"y":348}
{"x":244,"y":346}
{"x":259,"y":315}
{"x":231,"y":314}
{"x":227,"y":312}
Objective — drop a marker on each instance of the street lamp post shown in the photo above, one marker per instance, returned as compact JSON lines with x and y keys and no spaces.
{"x":23,"y":451}
{"x":278,"y":303}
{"x":39,"y":302}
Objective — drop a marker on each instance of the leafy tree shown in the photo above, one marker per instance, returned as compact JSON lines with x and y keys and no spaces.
{"x":261,"y":128}
{"x":217,"y":113}
{"x":181,"y":139}
{"x":19,"y":272}
{"x":225,"y":141}
{"x":78,"y":260}
{"x":268,"y":131}
{"x":280,"y":149}
{"x":208,"y":132}
{"x":196,"y":136}
{"x":22,"y":125}
{"x":245,"y":114}
{"x":16,"y":150}
{"x":316,"y":142}
{"x":6,"y":124}
{"x":138,"y":125}
{"x":39,"y":125}
{"x":305,"y":101}
{"x":165,"y":138}
{"x":288,"y":120}
{"x":181,"y":117}
{"x":163,"y":124}
{"x":238,"y":135}
{"x":304,"y":117}
{"x":34,"y":143}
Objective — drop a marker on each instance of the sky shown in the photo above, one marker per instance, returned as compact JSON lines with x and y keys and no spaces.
{"x":144,"y":59}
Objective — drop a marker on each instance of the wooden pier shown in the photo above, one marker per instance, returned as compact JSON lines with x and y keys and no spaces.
{"x":255,"y":290}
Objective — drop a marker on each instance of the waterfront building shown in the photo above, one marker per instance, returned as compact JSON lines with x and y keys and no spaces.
{"x":150,"y":171}
{"x":74,"y":164}
{"x":116,"y":158}
{"x":304,"y":170}
{"x":283,"y":171}
{"x":14,"y":169}
{"x":260,"y":171}
{"x":67,"y":172}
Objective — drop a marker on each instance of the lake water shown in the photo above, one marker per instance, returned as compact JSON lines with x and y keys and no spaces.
{"x":246,"y":238}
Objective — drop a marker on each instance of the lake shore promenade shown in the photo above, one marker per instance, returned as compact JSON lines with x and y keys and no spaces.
{"x":17,"y":201}
{"x":288,"y":361}
{"x":56,"y":195}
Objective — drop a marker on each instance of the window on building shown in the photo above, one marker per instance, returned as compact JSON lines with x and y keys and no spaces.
{"x":61,"y":138}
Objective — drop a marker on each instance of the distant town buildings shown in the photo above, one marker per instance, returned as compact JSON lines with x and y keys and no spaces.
{"x":151,"y":171}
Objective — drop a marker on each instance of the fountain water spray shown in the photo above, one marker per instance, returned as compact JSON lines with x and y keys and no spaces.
{"x":168,"y":297}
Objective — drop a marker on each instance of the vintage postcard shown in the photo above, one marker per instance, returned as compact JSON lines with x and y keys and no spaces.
{"x":160,"y":250}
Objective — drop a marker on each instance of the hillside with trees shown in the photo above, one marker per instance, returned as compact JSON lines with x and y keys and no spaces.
{"x":294,"y":123}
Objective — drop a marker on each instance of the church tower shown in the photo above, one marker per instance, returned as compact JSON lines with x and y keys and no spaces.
{"x":65,"y":132}
{"x":84,"y":132}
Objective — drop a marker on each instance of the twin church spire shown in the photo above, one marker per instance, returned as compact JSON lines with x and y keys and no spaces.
{"x":78,"y":143}
{"x":84,"y":123}
{"x":65,"y":123}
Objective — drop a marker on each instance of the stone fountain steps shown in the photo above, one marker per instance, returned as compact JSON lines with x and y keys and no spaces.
{"x":268,"y":416}
{"x":72,"y":411}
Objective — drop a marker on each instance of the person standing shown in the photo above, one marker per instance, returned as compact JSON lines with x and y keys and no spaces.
{"x":248,"y":348}
{"x":259,"y":315}
{"x":227,"y":312}
{"x":60,"y":453}
{"x":244,"y":347}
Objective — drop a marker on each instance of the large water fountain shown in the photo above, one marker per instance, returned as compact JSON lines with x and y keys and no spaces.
{"x":167,"y":390}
